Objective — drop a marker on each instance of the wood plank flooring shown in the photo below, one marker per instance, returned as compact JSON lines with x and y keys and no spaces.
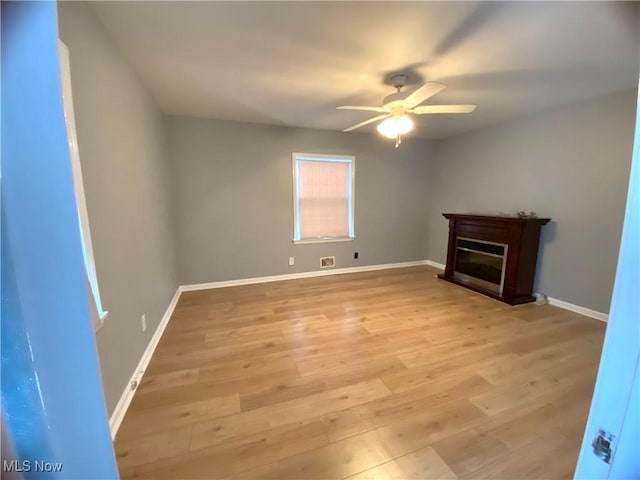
{"x":381,"y":375}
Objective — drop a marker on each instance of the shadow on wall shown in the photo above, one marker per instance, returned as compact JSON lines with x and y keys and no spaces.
{"x":548,"y":235}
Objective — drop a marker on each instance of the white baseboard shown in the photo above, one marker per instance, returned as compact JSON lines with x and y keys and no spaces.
{"x":294,"y":276}
{"x":369,"y":268}
{"x":587,"y":312}
{"x":431,"y":263}
{"x":127,"y":395}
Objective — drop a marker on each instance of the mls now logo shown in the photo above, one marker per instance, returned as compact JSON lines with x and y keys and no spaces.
{"x":29,"y":466}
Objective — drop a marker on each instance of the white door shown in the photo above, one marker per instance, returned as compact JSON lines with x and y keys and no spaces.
{"x":611,"y":443}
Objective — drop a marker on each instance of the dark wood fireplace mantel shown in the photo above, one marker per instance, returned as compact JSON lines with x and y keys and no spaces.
{"x":510,"y":240}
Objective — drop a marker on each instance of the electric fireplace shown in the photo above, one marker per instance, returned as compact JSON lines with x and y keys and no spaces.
{"x":495,"y":256}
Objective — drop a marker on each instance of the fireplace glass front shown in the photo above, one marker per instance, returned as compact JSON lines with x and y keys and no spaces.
{"x":480,"y":263}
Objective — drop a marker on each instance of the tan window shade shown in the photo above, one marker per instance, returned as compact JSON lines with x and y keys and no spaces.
{"x":323,"y":198}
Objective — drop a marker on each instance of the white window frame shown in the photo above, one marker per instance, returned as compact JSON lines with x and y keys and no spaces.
{"x":98,"y":314}
{"x":316,"y":157}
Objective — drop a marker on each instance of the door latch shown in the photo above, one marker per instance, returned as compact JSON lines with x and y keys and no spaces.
{"x":602,"y":445}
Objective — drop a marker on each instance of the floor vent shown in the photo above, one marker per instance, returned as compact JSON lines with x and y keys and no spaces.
{"x":326,"y":262}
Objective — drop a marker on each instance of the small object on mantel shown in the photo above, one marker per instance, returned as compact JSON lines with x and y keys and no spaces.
{"x":523,"y":214}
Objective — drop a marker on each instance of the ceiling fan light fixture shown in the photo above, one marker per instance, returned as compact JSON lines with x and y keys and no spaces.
{"x":395,"y":126}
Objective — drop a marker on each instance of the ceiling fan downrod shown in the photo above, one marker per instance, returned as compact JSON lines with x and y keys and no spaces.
{"x":399,"y":80}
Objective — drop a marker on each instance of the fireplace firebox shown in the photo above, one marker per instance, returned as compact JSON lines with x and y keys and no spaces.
{"x":480,"y":263}
{"x":495,"y":256}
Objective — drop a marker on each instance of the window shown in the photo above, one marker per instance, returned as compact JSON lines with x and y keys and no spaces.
{"x":322,"y":198}
{"x":97,"y":313}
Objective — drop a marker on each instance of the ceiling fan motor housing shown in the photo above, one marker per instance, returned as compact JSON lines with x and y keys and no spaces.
{"x":394,"y":99}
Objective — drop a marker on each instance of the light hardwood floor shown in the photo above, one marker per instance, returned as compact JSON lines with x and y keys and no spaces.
{"x":383,"y":375}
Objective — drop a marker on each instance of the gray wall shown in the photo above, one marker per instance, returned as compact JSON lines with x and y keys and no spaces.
{"x":121,"y":140}
{"x":570,"y":164}
{"x":232,"y":186}
{"x":229,"y":188}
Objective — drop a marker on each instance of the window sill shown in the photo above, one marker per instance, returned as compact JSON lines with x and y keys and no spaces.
{"x":324,"y":240}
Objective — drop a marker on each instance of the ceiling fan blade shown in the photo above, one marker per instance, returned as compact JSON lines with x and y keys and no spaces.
{"x":427,"y":90}
{"x":368,"y":109}
{"x":367,"y":122}
{"x":443,"y":109}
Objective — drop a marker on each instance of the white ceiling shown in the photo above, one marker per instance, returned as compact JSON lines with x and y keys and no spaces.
{"x":292,"y":63}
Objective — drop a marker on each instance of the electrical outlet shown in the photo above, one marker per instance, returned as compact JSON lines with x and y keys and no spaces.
{"x":143,"y":321}
{"x":292,"y":261}
{"x":355,"y":255}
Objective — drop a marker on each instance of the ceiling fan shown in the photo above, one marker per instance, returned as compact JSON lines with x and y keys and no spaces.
{"x":396,"y":107}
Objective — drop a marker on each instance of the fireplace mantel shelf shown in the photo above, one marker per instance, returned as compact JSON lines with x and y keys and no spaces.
{"x":519,"y":238}
{"x":497,"y":218}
